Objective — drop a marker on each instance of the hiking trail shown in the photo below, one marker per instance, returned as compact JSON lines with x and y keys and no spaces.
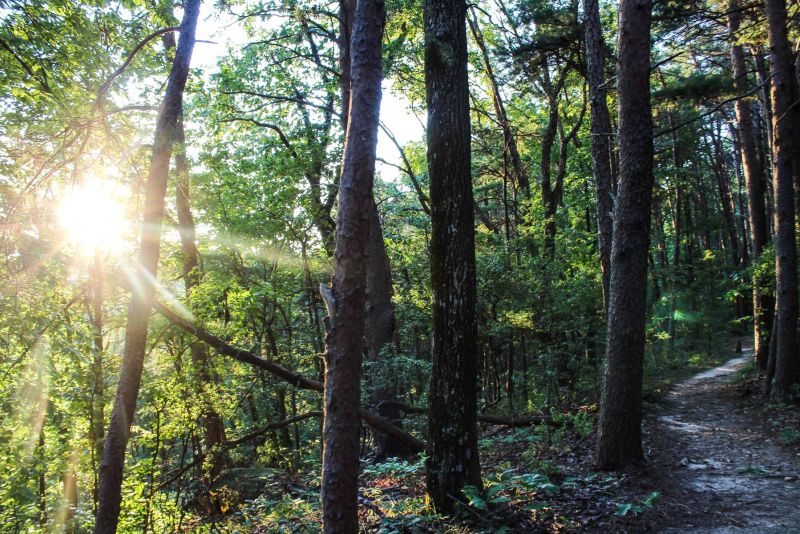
{"x":716,"y":462}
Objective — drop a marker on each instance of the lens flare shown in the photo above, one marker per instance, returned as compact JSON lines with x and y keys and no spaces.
{"x":93,"y":216}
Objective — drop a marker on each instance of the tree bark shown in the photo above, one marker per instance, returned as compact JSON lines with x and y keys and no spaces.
{"x":98,"y":417}
{"x":340,"y":457}
{"x":452,"y":429}
{"x":549,"y":196}
{"x":379,"y":325}
{"x":111,"y":466}
{"x":784,"y":122}
{"x":602,"y":147}
{"x":213,"y":425}
{"x":619,"y":441}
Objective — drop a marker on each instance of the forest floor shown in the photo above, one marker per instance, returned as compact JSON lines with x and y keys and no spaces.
{"x":718,"y":460}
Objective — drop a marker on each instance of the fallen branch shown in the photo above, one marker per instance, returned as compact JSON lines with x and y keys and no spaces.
{"x":291,"y":377}
{"x":483,"y":418}
{"x":243,"y":356}
{"x":375,"y":421}
{"x":175,"y":475}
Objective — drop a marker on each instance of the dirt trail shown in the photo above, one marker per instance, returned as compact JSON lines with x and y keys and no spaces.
{"x":711,"y":454}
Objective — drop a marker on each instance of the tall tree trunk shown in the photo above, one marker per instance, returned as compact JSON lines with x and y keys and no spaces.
{"x":619,"y":439}
{"x":784,"y":122}
{"x":98,"y":417}
{"x":379,"y":324}
{"x":549,"y":196}
{"x":111,"y":466}
{"x":602,"y":149}
{"x":509,"y":139}
{"x":379,"y":331}
{"x":716,"y":156}
{"x":41,"y":476}
{"x":69,"y":503}
{"x":340,"y":457}
{"x":452,"y":428}
{"x":755,"y":181}
{"x":676,"y":245}
{"x":213,"y":425}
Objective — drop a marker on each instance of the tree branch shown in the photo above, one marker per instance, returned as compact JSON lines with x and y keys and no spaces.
{"x":175,"y":475}
{"x":712,"y":110}
{"x":291,"y":377}
{"x":101,"y":92}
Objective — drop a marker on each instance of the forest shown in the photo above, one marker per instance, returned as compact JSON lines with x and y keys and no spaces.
{"x":399,"y":266}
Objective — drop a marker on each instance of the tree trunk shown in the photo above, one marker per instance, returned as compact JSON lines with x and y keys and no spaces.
{"x":98,"y":418}
{"x":379,"y":331}
{"x":784,"y":122}
{"x":755,"y":180}
{"x":602,"y":149}
{"x":716,"y":158}
{"x":111,"y":466}
{"x":509,"y":140}
{"x":379,"y":324}
{"x":549,"y":196}
{"x":619,"y":439}
{"x":213,"y":425}
{"x":340,"y":457}
{"x":452,"y":429}
{"x":41,"y":476}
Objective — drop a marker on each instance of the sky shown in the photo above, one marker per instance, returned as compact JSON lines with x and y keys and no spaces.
{"x":395,"y":113}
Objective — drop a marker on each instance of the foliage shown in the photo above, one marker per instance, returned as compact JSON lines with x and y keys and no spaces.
{"x":637,"y":508}
{"x":265,"y":141}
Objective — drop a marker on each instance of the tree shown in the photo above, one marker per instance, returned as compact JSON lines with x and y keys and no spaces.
{"x":619,"y":440}
{"x":785,"y":164}
{"x":346,"y":306}
{"x":213,"y":425}
{"x":144,"y":274}
{"x":452,"y":430}
{"x":602,"y":147}
{"x":756,"y":182}
{"x":379,"y":321}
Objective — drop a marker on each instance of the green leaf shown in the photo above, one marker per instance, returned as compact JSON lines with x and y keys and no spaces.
{"x":623,"y":509}
{"x":475,"y":498}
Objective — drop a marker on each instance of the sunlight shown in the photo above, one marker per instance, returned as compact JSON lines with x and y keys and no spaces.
{"x":92,"y":216}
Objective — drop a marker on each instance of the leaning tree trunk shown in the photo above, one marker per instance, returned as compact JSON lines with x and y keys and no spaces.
{"x":619,"y":439}
{"x":111,"y":466}
{"x":452,"y":428}
{"x":213,"y":425}
{"x":602,"y":148}
{"x":379,"y":331}
{"x":340,"y":457}
{"x":784,"y":122}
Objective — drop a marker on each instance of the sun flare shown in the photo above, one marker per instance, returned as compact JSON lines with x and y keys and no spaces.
{"x":93,"y":216}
